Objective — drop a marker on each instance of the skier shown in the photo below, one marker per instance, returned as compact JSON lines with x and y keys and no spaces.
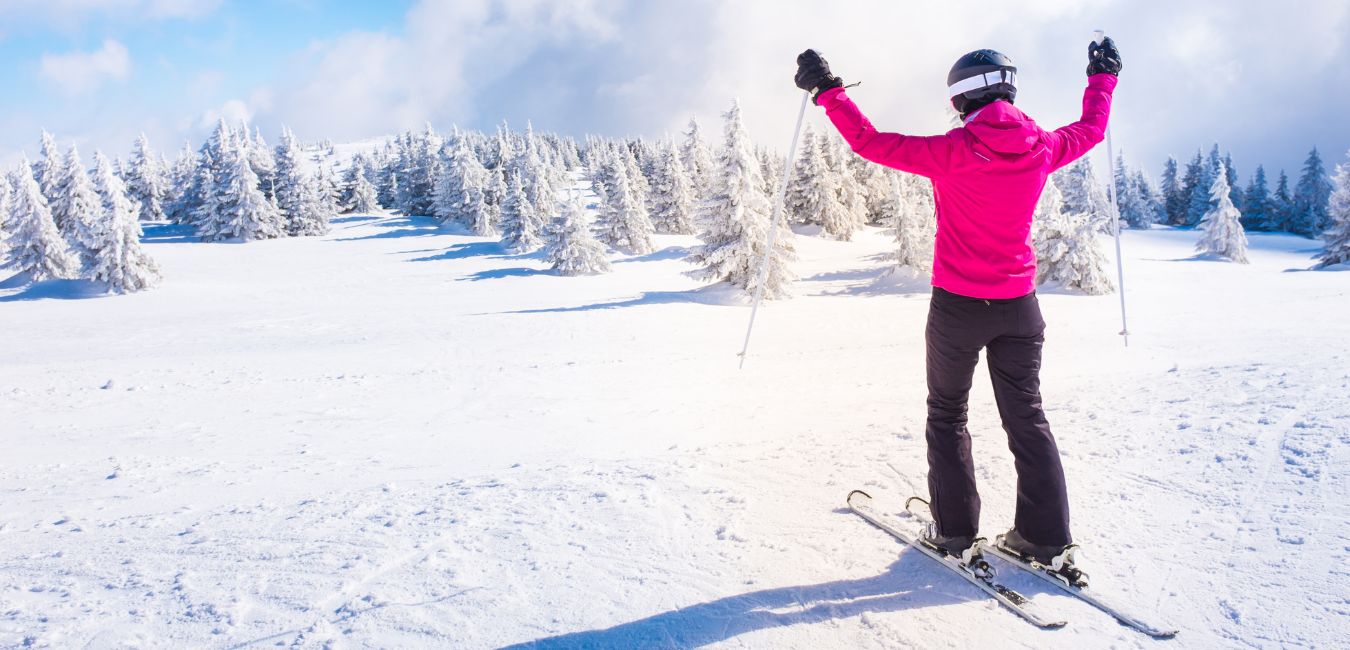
{"x":987,"y":177}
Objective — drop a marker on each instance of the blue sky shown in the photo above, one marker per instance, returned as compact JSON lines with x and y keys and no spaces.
{"x":1266,"y":80}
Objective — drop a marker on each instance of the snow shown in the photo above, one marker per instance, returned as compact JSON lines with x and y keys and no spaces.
{"x":400,"y":435}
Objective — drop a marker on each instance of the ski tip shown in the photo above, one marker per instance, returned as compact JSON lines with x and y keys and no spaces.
{"x":854,"y":493}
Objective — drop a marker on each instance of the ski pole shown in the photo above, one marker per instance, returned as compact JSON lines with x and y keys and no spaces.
{"x":1097,"y":38}
{"x":773,"y":227}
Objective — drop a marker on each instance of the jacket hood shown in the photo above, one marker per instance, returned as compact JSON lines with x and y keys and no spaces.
{"x":1004,"y":129}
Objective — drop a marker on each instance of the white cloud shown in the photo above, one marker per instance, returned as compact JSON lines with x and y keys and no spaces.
{"x":83,"y":72}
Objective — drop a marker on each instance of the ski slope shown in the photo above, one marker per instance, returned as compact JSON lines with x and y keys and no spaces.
{"x":399,"y":436}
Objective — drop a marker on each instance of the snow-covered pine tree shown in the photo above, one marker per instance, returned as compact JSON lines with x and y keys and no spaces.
{"x":738,"y":216}
{"x":47,"y":169}
{"x":850,"y":218}
{"x":363,"y":199}
{"x":1311,"y":196}
{"x":1082,"y":194}
{"x":1221,"y":227}
{"x":522,"y":226}
{"x":118,"y":258}
{"x":330,"y":191}
{"x":798,"y":202}
{"x":179,"y":208}
{"x":76,"y":207}
{"x":624,"y":223}
{"x":298,"y":197}
{"x":1197,"y":182}
{"x":637,"y":181}
{"x":1154,"y":210}
{"x":238,"y":207}
{"x":698,"y":160}
{"x":912,"y":222}
{"x":6,"y":215}
{"x":1337,"y":249}
{"x":260,"y":158}
{"x":1234,"y":192}
{"x":1256,"y":201}
{"x":146,"y":183}
{"x":1068,"y":251}
{"x":815,"y":190}
{"x":1173,"y":196}
{"x":37,"y":248}
{"x":672,"y":195}
{"x":573,"y":249}
{"x":875,"y":184}
{"x":461,"y":195}
{"x":1281,"y":206}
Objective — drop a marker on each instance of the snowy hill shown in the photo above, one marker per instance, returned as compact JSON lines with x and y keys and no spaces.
{"x":397,"y":435}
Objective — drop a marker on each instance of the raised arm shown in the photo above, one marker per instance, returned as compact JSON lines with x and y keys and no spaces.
{"x":925,"y":156}
{"x":1072,"y":141}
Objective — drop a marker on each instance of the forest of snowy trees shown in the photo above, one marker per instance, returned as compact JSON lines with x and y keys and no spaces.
{"x":62,"y":220}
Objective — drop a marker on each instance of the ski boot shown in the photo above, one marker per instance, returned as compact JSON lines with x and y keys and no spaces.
{"x":965,"y":548}
{"x":1056,"y":560}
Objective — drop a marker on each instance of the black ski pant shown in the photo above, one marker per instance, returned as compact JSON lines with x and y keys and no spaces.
{"x":1012,"y":333}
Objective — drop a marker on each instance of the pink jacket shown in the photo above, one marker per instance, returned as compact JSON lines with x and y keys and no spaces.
{"x":987,"y":177}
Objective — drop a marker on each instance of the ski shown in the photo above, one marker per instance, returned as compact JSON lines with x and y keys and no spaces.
{"x":1079,"y":590}
{"x":981,"y":575}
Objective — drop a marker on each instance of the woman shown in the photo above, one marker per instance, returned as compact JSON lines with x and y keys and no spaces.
{"x":987,"y":178}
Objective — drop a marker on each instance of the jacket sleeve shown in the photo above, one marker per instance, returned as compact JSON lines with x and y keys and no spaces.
{"x":925,"y":156}
{"x":1070,"y":142}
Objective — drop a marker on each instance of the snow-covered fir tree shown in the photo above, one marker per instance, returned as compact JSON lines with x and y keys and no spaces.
{"x":363,"y":199}
{"x":298,"y":196}
{"x":6,"y":194}
{"x":76,"y":207}
{"x":1068,"y":251}
{"x":841,"y":224}
{"x":1337,"y":247}
{"x":874,"y":181}
{"x":47,"y":169}
{"x":1281,"y":205}
{"x":814,"y":191}
{"x":912,"y":221}
{"x":697,"y":159}
{"x":178,"y":208}
{"x":624,"y":223}
{"x":1311,"y":196}
{"x":461,"y":193}
{"x":1082,"y":194}
{"x":738,"y":216}
{"x":238,"y":207}
{"x":1256,"y":201}
{"x":522,"y":225}
{"x":1196,"y":183}
{"x":37,"y":248}
{"x":1154,"y":209}
{"x":146,"y":182}
{"x":573,"y":249}
{"x":1221,"y":227}
{"x":672,"y":194}
{"x":118,"y":258}
{"x":1173,"y":198}
{"x":1130,"y":201}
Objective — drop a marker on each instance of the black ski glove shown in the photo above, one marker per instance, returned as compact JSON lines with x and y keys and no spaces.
{"x":1104,"y":58}
{"x":813,"y":74}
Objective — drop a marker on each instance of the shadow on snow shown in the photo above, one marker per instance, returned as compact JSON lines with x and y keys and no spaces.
{"x":168,"y":233}
{"x":400,"y":227}
{"x":52,"y":289}
{"x":906,"y":584}
{"x":667,"y":253}
{"x":693,"y":296}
